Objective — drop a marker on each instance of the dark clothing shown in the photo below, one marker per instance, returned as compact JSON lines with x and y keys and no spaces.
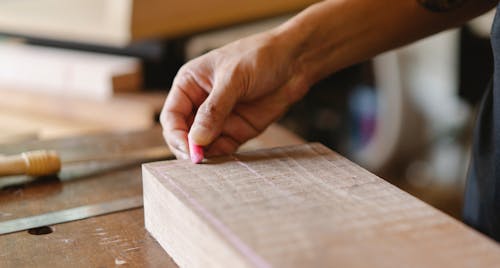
{"x":482,"y":194}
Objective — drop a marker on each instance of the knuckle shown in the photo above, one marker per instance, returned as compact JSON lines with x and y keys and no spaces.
{"x":206,"y":123}
{"x":296,"y":90}
{"x":185,"y":68}
{"x":210,"y":112}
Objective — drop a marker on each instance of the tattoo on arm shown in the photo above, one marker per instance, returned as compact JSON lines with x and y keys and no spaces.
{"x":441,"y":5}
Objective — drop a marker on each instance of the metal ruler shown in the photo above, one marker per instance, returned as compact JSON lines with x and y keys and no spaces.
{"x":68,"y":215}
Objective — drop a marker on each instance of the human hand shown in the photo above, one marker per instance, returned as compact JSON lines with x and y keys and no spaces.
{"x":230,"y":95}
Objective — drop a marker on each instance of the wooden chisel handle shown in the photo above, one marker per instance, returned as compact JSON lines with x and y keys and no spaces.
{"x":34,"y":163}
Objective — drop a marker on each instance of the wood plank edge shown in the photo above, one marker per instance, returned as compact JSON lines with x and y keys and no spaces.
{"x":205,"y":247}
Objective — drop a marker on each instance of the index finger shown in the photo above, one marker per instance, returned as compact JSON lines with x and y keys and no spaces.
{"x":178,"y":111}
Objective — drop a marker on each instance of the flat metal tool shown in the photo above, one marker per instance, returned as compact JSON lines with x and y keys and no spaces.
{"x":67,"y":215}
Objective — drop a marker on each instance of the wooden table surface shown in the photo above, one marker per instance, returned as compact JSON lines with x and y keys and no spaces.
{"x":111,"y":240}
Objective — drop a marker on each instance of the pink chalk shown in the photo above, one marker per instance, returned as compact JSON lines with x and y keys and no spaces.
{"x":195,"y":152}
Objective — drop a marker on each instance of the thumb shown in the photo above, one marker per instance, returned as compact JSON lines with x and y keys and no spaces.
{"x":212,"y":114}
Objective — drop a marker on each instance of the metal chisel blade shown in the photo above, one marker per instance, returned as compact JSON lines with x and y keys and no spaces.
{"x":71,"y":214}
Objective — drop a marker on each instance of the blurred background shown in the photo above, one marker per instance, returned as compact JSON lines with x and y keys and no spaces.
{"x":70,"y":68}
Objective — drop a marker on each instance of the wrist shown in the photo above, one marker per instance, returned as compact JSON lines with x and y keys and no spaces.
{"x":307,"y":42}
{"x":282,"y":45}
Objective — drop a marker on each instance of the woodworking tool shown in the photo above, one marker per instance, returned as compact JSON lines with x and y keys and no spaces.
{"x":34,"y":163}
{"x":45,"y":162}
{"x":67,"y":215}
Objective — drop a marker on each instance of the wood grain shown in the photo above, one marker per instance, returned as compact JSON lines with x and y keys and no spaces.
{"x":152,"y":18}
{"x":117,"y":239}
{"x":66,"y":72}
{"x":56,"y":116}
{"x":300,"y":206}
{"x":118,"y":23}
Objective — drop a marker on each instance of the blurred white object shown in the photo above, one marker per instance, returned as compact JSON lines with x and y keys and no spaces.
{"x":482,"y":25}
{"x":393,"y":115}
{"x":430,"y":74}
{"x":418,"y":104}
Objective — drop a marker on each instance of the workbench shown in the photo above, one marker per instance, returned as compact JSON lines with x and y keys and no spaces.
{"x":110,"y":240}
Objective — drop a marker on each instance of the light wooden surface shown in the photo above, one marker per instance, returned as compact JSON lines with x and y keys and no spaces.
{"x":68,"y":73}
{"x":173,"y":18}
{"x":119,"y":22}
{"x":106,"y":241}
{"x":302,"y":206}
{"x":45,"y":116}
{"x":117,"y":239}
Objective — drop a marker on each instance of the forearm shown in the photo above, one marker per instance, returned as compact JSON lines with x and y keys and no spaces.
{"x":334,"y":34}
{"x":232,"y":93}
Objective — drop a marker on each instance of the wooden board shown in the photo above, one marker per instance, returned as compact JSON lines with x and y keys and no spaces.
{"x":154,"y":18}
{"x":119,"y":22}
{"x":56,"y":116}
{"x":301,"y":206}
{"x":66,"y":72}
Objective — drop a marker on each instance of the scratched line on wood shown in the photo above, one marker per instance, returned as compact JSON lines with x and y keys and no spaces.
{"x":240,"y":245}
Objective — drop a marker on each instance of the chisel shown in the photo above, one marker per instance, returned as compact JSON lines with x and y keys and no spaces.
{"x":47,"y":162}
